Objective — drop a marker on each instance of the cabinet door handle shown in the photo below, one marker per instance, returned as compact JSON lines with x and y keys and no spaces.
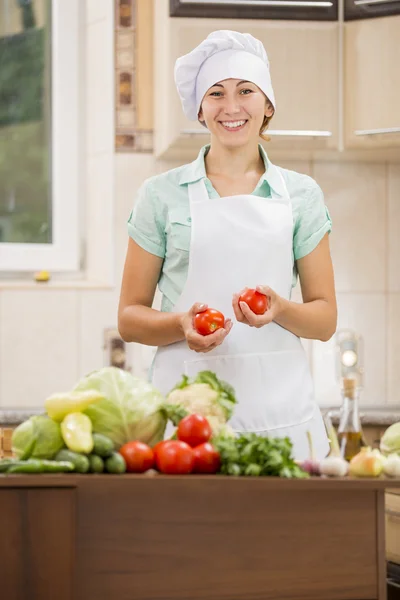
{"x":361,"y":2}
{"x":377,"y":131}
{"x":305,"y":3}
{"x":392,"y":513}
{"x":274,"y":132}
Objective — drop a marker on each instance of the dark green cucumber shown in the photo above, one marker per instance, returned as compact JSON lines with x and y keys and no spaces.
{"x":103,"y":446}
{"x":116,"y":464}
{"x":96,"y":463}
{"x":80,"y":461}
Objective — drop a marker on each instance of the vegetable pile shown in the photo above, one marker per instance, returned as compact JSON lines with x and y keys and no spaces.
{"x":102,"y":457}
{"x":113,"y":422}
{"x":204,"y":395}
{"x":191,"y":452}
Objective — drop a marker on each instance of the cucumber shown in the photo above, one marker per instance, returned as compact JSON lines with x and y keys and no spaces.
{"x":80,"y":462}
{"x":103,"y":446}
{"x":116,"y":464}
{"x":5,"y":463}
{"x":96,"y":463}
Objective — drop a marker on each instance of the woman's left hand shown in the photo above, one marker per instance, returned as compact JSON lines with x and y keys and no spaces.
{"x":244,"y":314}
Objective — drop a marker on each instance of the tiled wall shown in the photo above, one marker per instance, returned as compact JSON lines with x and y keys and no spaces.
{"x":133,"y":75}
{"x":364,"y":201}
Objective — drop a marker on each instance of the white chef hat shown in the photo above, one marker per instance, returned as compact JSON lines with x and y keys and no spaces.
{"x":222,"y":55}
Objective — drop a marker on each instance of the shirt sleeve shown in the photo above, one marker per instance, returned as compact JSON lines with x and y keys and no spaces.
{"x":312,"y":223}
{"x":146,"y":224}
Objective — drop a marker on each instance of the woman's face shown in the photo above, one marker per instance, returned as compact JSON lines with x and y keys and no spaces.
{"x":234,"y":110}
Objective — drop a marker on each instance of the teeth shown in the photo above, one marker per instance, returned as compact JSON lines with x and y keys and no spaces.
{"x":233,"y":124}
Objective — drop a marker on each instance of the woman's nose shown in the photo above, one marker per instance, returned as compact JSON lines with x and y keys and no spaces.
{"x":231,"y":106}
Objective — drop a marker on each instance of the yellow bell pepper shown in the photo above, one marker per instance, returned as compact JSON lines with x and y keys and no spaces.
{"x":76,"y":430}
{"x":58,"y":406}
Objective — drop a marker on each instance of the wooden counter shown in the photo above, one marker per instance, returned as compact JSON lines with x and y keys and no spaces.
{"x":126,"y":537}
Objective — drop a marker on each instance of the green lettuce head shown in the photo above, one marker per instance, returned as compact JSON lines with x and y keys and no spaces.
{"x":129,"y":410}
{"x":38,"y":437}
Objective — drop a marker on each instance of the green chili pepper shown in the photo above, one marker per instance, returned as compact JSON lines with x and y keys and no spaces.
{"x":52,"y":466}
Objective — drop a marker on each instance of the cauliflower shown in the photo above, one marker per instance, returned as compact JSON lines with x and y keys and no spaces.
{"x":199,"y":398}
{"x":205,"y":395}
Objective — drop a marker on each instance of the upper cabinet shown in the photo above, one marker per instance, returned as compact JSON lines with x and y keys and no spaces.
{"x":372,"y":83}
{"x":368,"y":9}
{"x":304,"y":68}
{"x":299,"y":10}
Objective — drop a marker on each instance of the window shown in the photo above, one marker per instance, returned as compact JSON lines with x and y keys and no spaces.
{"x":39,"y":135}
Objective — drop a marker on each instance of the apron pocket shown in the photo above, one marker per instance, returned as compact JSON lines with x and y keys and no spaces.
{"x":273,"y":390}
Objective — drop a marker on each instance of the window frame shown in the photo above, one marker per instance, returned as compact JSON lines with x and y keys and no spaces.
{"x":63,"y":253}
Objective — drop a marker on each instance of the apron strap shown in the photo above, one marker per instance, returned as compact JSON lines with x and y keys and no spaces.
{"x":198,"y":191}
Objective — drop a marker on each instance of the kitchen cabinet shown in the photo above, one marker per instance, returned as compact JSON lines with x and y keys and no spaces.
{"x":314,"y":10}
{"x":304,"y":67}
{"x":368,"y":9}
{"x":37,"y":541}
{"x":72,"y":537}
{"x":392,"y":501}
{"x":372,"y":83}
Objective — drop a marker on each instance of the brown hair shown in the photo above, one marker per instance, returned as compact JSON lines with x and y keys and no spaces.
{"x":264,"y":127}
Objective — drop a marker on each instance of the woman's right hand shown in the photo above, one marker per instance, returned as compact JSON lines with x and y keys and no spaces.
{"x":196,"y":341}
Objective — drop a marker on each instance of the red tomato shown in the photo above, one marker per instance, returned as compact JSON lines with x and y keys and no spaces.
{"x":206,"y":459}
{"x":139,"y":457}
{"x":175,"y":458}
{"x":157,"y":447}
{"x":208,"y":321}
{"x":194,"y":430}
{"x":256,"y":301}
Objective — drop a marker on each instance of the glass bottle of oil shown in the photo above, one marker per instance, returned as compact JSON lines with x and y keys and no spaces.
{"x":350,"y":434}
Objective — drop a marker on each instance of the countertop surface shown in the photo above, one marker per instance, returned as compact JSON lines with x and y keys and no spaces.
{"x":376,"y":416}
{"x":159,"y":482}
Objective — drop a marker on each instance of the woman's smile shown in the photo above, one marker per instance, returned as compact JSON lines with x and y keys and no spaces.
{"x":233,"y":125}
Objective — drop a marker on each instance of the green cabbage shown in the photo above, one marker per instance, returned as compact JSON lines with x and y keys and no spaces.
{"x":390,"y":441}
{"x":130,"y":409}
{"x":38,"y":437}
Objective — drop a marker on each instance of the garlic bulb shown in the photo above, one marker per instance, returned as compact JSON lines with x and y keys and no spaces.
{"x":334,"y":466}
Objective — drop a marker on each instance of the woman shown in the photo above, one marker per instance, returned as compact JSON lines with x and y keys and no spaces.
{"x":228,"y":221}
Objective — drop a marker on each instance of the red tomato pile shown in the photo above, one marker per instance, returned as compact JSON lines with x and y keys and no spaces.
{"x":192,"y":452}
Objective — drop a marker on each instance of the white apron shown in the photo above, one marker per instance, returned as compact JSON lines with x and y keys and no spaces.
{"x":237,"y":242}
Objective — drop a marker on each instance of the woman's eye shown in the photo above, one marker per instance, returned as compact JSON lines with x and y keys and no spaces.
{"x":215,"y":94}
{"x":246,"y":91}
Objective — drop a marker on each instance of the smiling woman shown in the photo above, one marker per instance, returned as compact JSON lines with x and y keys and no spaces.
{"x":231,"y":220}
{"x":256,"y":103}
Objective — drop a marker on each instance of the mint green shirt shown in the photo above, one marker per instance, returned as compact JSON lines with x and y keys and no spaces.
{"x":160,"y":221}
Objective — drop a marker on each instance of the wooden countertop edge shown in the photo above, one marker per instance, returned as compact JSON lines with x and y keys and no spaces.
{"x":269,"y":483}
